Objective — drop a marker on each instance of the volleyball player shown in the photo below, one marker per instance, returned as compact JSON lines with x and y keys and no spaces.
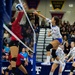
{"x":18,"y":64}
{"x":56,"y":36}
{"x":56,"y":63}
{"x":72,"y":54}
{"x":14,"y":44}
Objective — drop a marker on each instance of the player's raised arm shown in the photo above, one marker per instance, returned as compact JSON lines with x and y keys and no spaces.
{"x":36,"y":13}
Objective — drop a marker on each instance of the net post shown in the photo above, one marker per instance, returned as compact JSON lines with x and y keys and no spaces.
{"x":34,"y":56}
{"x":1,"y":31}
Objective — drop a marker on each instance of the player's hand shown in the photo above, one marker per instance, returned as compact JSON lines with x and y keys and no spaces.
{"x":24,"y":5}
{"x":35,"y":12}
{"x":66,"y":57}
{"x":68,"y":60}
{"x":49,"y":34}
{"x":26,"y":63}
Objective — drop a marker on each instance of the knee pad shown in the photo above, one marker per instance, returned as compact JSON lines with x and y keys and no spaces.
{"x":14,"y":59}
{"x":7,"y":70}
{"x":49,"y":47}
{"x":54,"y":53}
{"x":72,"y":68}
{"x":26,"y":74}
{"x":14,"y":70}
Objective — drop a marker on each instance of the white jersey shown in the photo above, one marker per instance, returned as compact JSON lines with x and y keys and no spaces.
{"x":60,"y":53}
{"x":72,"y":52}
{"x":55,"y":31}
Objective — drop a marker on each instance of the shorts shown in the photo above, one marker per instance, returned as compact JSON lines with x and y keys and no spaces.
{"x":57,"y":62}
{"x":59,"y":39}
{"x":18,"y":65}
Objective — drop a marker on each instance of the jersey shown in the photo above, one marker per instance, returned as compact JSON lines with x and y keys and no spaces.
{"x":19,"y":57}
{"x":55,"y":31}
{"x":72,"y":52}
{"x":60,"y":54}
{"x":25,"y":54}
{"x":16,"y":28}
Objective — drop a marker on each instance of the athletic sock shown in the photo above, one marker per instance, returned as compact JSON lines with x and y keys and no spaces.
{"x":48,"y":58}
{"x":51,"y":73}
{"x":60,"y":73}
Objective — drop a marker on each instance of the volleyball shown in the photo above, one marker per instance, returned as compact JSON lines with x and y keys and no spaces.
{"x":19,"y":7}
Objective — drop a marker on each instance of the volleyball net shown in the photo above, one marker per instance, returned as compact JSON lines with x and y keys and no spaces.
{"x":7,"y":18}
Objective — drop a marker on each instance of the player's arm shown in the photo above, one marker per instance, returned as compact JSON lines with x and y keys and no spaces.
{"x":42,"y":16}
{"x":49,"y":33}
{"x":19,"y":16}
{"x":36,"y":13}
{"x":68,"y":55}
{"x":26,"y":61}
{"x":71,"y":58}
{"x":20,"y":11}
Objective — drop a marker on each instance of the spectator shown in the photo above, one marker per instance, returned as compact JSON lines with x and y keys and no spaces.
{"x":4,"y":41}
{"x":27,"y":33}
{"x":66,"y":48}
{"x":69,"y":30}
{"x":3,"y":55}
{"x":37,"y":28}
{"x":68,"y":23}
{"x":64,"y":39}
{"x":31,"y":43}
{"x":24,"y":53}
{"x":27,"y":40}
{"x":7,"y":48}
{"x":64,"y":23}
{"x":8,"y":39}
{"x":30,"y":57}
{"x":6,"y":34}
{"x":43,"y":23}
{"x":73,"y":36}
{"x":24,"y":31}
{"x":63,"y":31}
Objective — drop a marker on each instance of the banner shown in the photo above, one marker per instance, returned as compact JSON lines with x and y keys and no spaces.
{"x":59,"y":14}
{"x":32,"y":3}
{"x":57,"y":4}
{"x":42,"y":69}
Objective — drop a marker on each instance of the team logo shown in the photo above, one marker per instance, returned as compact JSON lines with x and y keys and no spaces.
{"x":38,"y":70}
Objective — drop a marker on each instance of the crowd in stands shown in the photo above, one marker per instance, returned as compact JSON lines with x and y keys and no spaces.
{"x":27,"y":34}
{"x":67,"y":31}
